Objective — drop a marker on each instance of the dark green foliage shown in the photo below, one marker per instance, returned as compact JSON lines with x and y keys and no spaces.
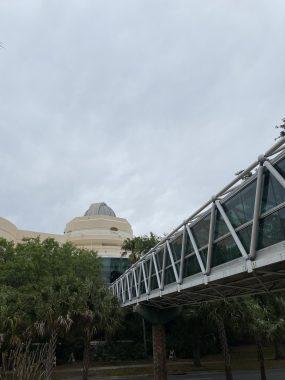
{"x":139,"y":245}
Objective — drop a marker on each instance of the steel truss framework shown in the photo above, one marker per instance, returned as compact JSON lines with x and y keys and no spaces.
{"x":160,"y":277}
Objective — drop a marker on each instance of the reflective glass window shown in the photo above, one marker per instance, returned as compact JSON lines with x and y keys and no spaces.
{"x":221,"y":228}
{"x":280,"y":166}
{"x":225,"y":250}
{"x":204,"y":255}
{"x":272,"y":229}
{"x":153,"y":282}
{"x":201,"y":231}
{"x":176,"y":246}
{"x":191,"y":266}
{"x":169,"y":276}
{"x":273,"y":192}
{"x":188,"y":245}
{"x":113,"y":267}
{"x":245,"y":237}
{"x":159,"y":258}
{"x":239,"y":208}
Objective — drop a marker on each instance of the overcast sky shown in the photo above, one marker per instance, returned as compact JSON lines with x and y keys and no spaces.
{"x":148,"y":105}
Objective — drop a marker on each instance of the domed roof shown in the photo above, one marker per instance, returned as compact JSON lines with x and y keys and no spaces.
{"x":99,"y":209}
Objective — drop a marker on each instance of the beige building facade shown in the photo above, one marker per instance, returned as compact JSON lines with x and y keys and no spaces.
{"x":99,"y":230}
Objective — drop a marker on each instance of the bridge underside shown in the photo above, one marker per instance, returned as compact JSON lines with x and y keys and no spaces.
{"x":240,"y":278}
{"x":263,"y":279}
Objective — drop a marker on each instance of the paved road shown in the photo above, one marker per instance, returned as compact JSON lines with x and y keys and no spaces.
{"x":273,"y":374}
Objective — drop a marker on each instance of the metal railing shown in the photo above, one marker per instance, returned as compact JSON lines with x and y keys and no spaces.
{"x":137,"y":280}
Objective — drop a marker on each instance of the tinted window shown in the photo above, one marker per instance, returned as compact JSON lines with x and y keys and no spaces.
{"x":272,"y":229}
{"x":201,"y":231}
{"x":191,"y":266}
{"x":273,"y":192}
{"x":239,"y":208}
{"x":224,"y":251}
{"x":221,"y":228}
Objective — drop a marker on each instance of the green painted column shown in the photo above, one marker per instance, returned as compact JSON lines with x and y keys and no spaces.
{"x":158,"y":318}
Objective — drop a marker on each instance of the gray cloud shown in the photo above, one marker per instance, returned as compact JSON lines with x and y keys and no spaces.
{"x":150,"y":106}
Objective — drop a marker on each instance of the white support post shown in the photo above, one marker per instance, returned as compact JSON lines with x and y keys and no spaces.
{"x":232,"y":230}
{"x":163,"y":268}
{"x":196,"y":250}
{"x":139,"y":279}
{"x":128,"y":286}
{"x":181,"y":268}
{"x":211,"y":239}
{"x":275,"y":173}
{"x":256,"y":213}
{"x":156,"y":270}
{"x":135,"y":281}
{"x":123,"y":290}
{"x":149,"y":273}
{"x":144,"y":278}
{"x":172,"y":262}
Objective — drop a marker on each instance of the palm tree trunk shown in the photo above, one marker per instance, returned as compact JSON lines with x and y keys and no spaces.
{"x":51,"y":355}
{"x":196,"y":350}
{"x":86,"y":353}
{"x":144,"y":338}
{"x":225,"y":348}
{"x":260,"y":356}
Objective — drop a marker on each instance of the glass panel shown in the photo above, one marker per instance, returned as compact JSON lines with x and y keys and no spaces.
{"x":221,"y":228}
{"x":245,"y":236}
{"x":201,"y":231}
{"x":273,"y":192}
{"x":280,"y":166}
{"x":272,"y":229}
{"x":159,"y":259}
{"x":204,"y":254}
{"x":225,"y":250}
{"x":142,"y":287}
{"x":191,"y":266}
{"x":113,"y":267}
{"x":169,"y":276}
{"x":153,"y":282}
{"x":239,"y":208}
{"x":188,"y":245}
{"x":176,"y":247}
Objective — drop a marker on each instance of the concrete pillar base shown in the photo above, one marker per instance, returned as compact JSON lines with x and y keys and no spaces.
{"x":158,"y":318}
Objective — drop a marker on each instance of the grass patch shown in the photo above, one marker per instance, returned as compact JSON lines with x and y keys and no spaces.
{"x":243,"y":358}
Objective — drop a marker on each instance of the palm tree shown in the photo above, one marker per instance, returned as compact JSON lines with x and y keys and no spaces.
{"x":254,"y":320}
{"x":275,"y":332}
{"x":195,"y":317}
{"x":53,"y":309}
{"x":219,"y":312}
{"x":138,"y":246}
{"x":99,"y":311}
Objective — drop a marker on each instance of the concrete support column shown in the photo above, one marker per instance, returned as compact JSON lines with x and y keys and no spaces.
{"x":158,"y":318}
{"x":159,"y":352}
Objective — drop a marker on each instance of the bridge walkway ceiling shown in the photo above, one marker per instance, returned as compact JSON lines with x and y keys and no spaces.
{"x":233,"y":245}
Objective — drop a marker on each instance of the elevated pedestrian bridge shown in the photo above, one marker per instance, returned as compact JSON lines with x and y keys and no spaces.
{"x":231,"y":246}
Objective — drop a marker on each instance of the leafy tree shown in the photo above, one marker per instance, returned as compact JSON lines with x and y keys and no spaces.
{"x":275,"y":331}
{"x":138,"y":246}
{"x":219,"y":312}
{"x":99,"y":311}
{"x":281,"y":128}
{"x":43,"y":284}
{"x":254,"y":320}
